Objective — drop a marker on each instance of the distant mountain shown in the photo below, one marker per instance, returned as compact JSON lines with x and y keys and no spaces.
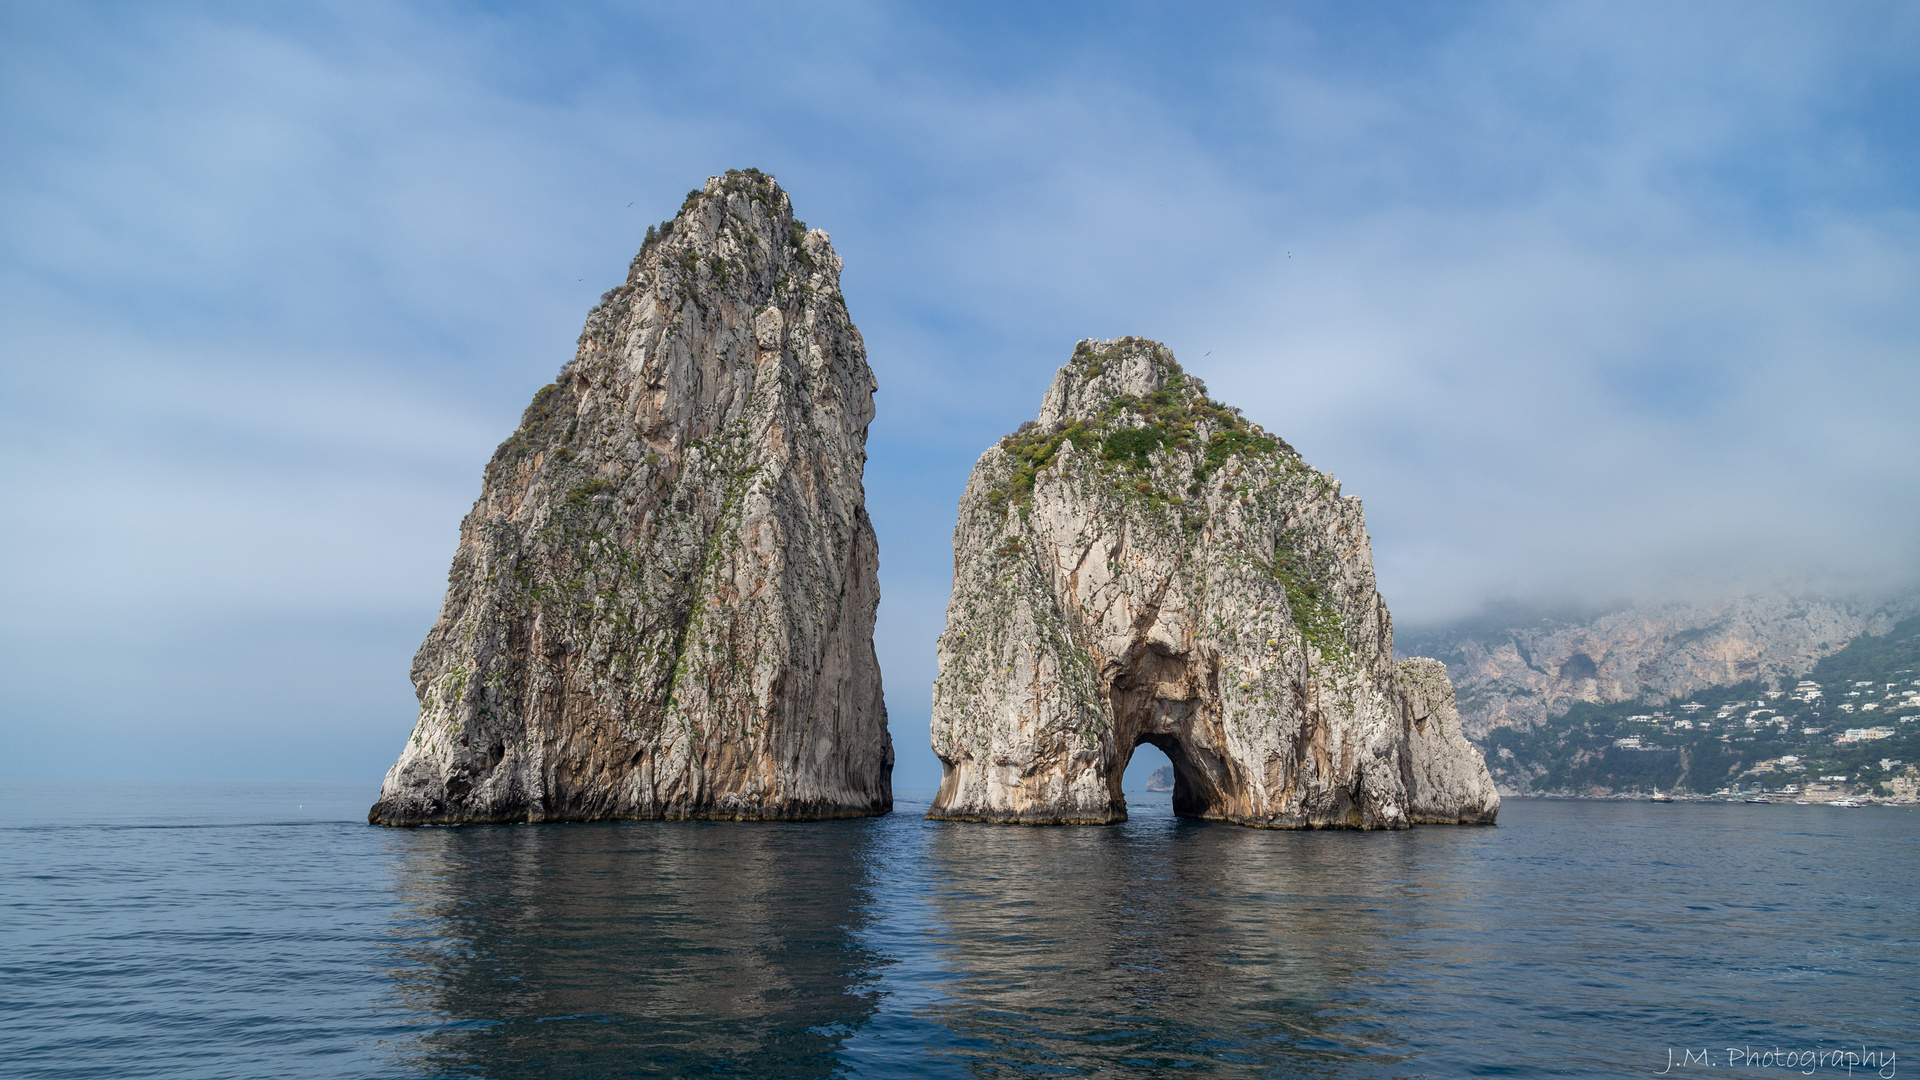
{"x":1850,"y":727}
{"x":1161,"y":780}
{"x":1512,"y":669}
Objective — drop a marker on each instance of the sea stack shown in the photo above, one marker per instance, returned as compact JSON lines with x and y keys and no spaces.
{"x":662,"y":604}
{"x":1141,"y":564}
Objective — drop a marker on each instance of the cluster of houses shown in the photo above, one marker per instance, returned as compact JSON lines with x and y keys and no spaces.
{"x":1895,"y":697}
{"x":1902,"y":787}
{"x":1808,"y":711}
{"x":1899,"y":702}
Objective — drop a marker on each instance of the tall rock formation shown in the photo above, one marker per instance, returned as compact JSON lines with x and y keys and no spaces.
{"x":1143,"y":565}
{"x":662,"y":604}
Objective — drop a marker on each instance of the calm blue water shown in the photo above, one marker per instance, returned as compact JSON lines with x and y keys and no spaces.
{"x":264,"y":931}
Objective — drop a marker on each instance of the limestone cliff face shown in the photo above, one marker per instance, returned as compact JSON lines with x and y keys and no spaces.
{"x":662,"y":604}
{"x":1519,"y":674}
{"x":1142,"y":565}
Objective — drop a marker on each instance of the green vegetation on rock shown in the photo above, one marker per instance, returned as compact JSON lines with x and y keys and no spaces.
{"x":1130,"y":430}
{"x":1306,"y":579}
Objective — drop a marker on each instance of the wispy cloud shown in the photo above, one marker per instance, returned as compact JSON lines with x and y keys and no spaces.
{"x":1585,"y":300}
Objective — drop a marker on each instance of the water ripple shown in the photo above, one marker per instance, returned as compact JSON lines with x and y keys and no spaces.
{"x":264,"y":931}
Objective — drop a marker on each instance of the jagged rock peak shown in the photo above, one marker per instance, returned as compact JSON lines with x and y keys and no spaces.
{"x":1141,"y":564}
{"x":662,"y":603}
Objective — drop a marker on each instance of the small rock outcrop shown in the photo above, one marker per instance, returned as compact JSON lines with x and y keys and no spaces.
{"x":1142,"y":564}
{"x":662,"y":604}
{"x":1448,"y":782}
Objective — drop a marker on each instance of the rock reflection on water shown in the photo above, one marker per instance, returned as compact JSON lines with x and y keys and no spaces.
{"x":672,"y":948}
{"x":899,"y":946}
{"x":1162,"y":947}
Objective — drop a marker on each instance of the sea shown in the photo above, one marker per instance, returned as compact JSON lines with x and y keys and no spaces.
{"x":265,"y":930}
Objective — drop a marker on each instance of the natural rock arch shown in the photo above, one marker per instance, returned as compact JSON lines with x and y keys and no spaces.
{"x":1186,"y":728}
{"x":1142,"y":564}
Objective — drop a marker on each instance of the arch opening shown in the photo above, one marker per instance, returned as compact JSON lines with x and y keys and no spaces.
{"x":1145,"y":765}
{"x":1168,"y":699}
{"x":1195,"y":791}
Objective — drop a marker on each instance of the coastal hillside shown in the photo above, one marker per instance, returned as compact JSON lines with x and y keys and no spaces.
{"x":1520,"y":670}
{"x":1849,"y":726}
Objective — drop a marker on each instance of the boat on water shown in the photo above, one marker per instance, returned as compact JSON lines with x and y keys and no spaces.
{"x":1848,"y":803}
{"x":1758,"y":799}
{"x":1659,"y":797}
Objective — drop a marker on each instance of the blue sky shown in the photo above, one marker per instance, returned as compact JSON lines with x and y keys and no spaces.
{"x":1588,"y":302}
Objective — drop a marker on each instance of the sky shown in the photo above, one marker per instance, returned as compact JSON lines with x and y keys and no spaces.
{"x":1588,"y":302}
